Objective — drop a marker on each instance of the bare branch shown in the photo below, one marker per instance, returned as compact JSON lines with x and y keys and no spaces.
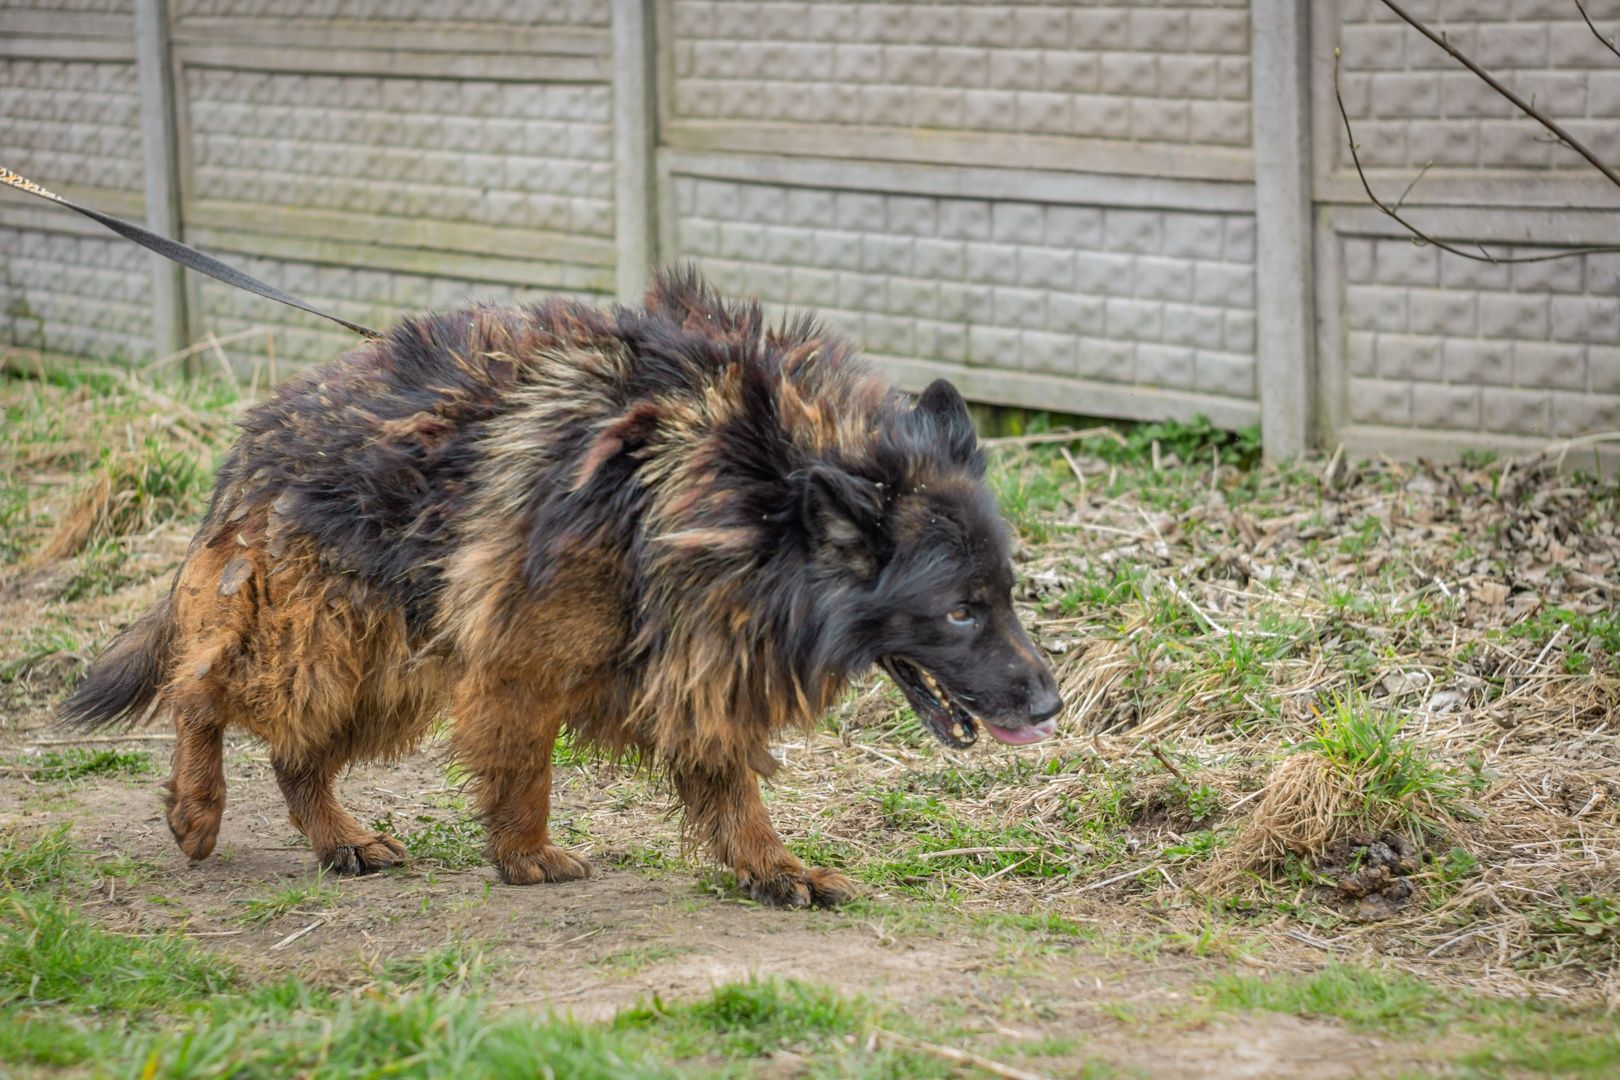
{"x":1427,"y":165}
{"x":1394,"y":213}
{"x":1608,"y":42}
{"x":1524,"y":106}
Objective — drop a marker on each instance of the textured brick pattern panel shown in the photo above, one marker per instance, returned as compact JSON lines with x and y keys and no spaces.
{"x":1412,"y":104}
{"x":1173,"y":72}
{"x":375,"y":298}
{"x":71,"y":121}
{"x":72,"y":7}
{"x":1150,"y":298}
{"x":1437,"y":342}
{"x":525,"y":155}
{"x":74,"y":294}
{"x":506,"y":12}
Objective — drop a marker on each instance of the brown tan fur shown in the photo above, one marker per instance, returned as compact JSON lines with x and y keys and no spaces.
{"x":643,"y":527}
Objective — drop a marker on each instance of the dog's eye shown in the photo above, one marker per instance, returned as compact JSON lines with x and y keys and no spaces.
{"x":960,"y":616}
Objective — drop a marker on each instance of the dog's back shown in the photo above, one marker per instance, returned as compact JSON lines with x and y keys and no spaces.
{"x":522,"y":514}
{"x":666,"y":528}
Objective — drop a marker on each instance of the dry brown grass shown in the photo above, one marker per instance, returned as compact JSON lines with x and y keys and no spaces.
{"x":1202,"y":623}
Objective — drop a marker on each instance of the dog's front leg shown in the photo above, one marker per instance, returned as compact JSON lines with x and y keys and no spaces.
{"x":724,"y":811}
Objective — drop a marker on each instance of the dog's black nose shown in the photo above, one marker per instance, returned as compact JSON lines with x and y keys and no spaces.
{"x":1044,"y":704}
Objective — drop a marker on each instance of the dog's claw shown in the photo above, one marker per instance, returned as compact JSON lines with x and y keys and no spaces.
{"x":549,"y":864}
{"x":829,"y":888}
{"x":380,"y":852}
{"x":800,"y":888}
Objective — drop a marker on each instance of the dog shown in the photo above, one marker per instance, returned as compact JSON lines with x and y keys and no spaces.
{"x":670,"y":530}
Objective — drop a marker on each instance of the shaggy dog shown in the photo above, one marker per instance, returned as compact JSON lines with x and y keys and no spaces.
{"x":669,"y":530}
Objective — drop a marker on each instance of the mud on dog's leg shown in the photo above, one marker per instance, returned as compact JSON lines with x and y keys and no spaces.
{"x":340,"y":843}
{"x":505,"y":740}
{"x":724,"y":810}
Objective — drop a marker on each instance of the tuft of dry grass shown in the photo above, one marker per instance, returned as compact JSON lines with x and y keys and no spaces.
{"x":1307,"y":803}
{"x":1263,"y":666}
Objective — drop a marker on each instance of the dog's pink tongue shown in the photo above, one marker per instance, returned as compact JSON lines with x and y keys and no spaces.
{"x":1023,"y":735}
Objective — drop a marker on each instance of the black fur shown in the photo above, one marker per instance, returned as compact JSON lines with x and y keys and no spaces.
{"x":127,"y":677}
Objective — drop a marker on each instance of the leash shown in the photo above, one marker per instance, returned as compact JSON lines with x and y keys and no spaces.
{"x":183,"y":254}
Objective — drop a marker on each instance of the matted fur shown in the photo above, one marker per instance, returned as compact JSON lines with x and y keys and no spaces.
{"x":534,"y":518}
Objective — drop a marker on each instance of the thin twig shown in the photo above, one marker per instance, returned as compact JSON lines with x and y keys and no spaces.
{"x":155,"y":736}
{"x":295,"y":935}
{"x":1394,"y":212}
{"x":204,"y":346}
{"x":925,"y":856}
{"x":1164,"y":760}
{"x":1608,"y":43}
{"x":959,"y":1057}
{"x":1523,"y":105}
{"x":1119,"y":877}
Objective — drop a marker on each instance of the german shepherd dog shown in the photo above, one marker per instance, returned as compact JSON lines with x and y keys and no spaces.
{"x":670,"y":530}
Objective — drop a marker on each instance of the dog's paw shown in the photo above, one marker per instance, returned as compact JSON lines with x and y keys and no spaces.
{"x":194,"y":821}
{"x":784,"y":889}
{"x":829,"y":888}
{"x":365,"y":856}
{"x":799,"y":887}
{"x":549,"y":864}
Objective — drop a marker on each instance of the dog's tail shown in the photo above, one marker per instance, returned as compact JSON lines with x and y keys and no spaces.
{"x":125,"y":679}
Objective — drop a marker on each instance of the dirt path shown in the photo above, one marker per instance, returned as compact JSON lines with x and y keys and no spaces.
{"x":594,"y":947}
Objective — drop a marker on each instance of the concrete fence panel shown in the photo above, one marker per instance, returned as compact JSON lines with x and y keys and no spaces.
{"x":1130,"y":209}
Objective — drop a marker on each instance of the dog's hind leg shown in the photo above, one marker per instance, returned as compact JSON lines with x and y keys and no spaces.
{"x":340,"y":843}
{"x":506,"y":743}
{"x":194,"y":799}
{"x":724,"y":810}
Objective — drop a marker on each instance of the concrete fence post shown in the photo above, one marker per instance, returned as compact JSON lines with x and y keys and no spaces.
{"x":633,"y":134}
{"x":1286,"y":331}
{"x":160,"y":161}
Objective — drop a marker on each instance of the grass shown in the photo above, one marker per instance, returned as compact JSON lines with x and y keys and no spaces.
{"x":456,"y":843}
{"x":130,"y":449}
{"x":100,"y":570}
{"x":1498,"y":1037}
{"x":1584,"y":928}
{"x":624,"y":962}
{"x":1397,"y":779}
{"x":300,"y":896}
{"x":76,"y":996}
{"x":1196,"y":609}
{"x":76,"y":762}
{"x":1592,"y":637}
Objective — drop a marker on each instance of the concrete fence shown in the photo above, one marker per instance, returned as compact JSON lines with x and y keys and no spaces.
{"x":1140,"y":210}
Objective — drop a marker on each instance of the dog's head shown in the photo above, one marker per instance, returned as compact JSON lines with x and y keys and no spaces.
{"x":925,"y":556}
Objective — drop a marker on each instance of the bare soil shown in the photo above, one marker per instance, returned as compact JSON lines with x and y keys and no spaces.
{"x":1204,"y":621}
{"x":591,"y":948}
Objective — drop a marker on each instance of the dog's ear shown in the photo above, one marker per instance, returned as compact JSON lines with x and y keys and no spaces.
{"x":942,"y":406}
{"x":843,"y":514}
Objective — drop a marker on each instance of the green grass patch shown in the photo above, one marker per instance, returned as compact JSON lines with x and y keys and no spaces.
{"x":75,"y":996}
{"x":100,"y":570}
{"x":938,"y":843}
{"x":1190,"y":442}
{"x":623,"y":962}
{"x":301,"y":896}
{"x":76,"y":762}
{"x":1589,"y":640}
{"x":1584,"y":929}
{"x":1398,"y":779}
{"x":1496,"y":1037}
{"x":49,"y":954}
{"x":453,"y":844}
{"x":1031,"y":491}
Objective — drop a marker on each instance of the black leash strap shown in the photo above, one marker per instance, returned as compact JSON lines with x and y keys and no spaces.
{"x":183,"y":254}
